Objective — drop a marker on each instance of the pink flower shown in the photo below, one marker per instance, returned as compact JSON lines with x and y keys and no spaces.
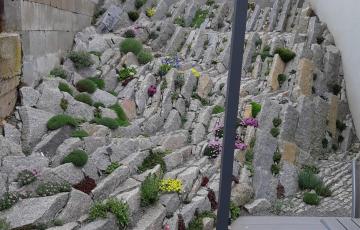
{"x":151,"y":90}
{"x":240,"y":145}
{"x":250,"y":122}
{"x":167,"y":227}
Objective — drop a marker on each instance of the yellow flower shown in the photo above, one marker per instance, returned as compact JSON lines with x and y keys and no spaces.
{"x":195,"y":72}
{"x":171,"y":185}
{"x":150,"y":12}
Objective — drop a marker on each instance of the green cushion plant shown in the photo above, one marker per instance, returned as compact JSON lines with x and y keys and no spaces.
{"x":255,"y":109}
{"x":131,"y":45}
{"x":79,"y":133}
{"x":100,"y":83}
{"x":145,"y":57}
{"x":78,"y":157}
{"x":84,"y":98}
{"x":308,"y":180}
{"x":63,"y":87}
{"x":107,"y":121}
{"x":86,"y":85}
{"x":59,"y":72}
{"x":81,"y":59}
{"x":149,"y":190}
{"x":61,"y":120}
{"x":311,"y":198}
{"x":285,"y":54}
{"x":218,"y":109}
{"x":152,"y":160}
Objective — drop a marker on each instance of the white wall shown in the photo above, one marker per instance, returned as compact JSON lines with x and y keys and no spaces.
{"x":343,"y":20}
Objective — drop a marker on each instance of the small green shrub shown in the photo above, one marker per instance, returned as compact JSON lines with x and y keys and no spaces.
{"x":341,"y":126}
{"x":277,"y":157}
{"x":119,"y":112}
{"x":308,"y":180}
{"x":26,"y":177}
{"x":336,"y":89}
{"x":275,"y":169}
{"x":180,"y":21}
{"x":218,"y":109}
{"x":133,"y":15}
{"x":255,"y":109}
{"x":114,"y":206}
{"x":99,"y":104}
{"x":210,"y":2}
{"x":4,"y":225}
{"x":78,"y":157}
{"x":265,"y":53}
{"x":81,"y":59}
{"x":84,"y":98}
{"x":152,"y":160}
{"x":131,"y":45}
{"x":199,"y":18}
{"x":86,"y":85}
{"x":129,"y":34}
{"x":126,"y":72}
{"x":8,"y":200}
{"x":149,"y":190}
{"x":112,"y":167}
{"x":52,"y":188}
{"x":197,"y":222}
{"x":179,"y":81}
{"x":63,"y":87}
{"x":145,"y":57}
{"x":285,"y":54}
{"x":311,"y":168}
{"x":164,"y":69}
{"x":79,"y":133}
{"x":106,"y":121}
{"x":61,"y":120}
{"x":139,"y":3}
{"x":100,"y":83}
{"x":275,"y":132}
{"x":58,"y":222}
{"x":324,"y":143}
{"x":234,"y":211}
{"x":281,"y":79}
{"x":64,"y":104}
{"x":249,"y":155}
{"x":311,"y":198}
{"x":59,"y":72}
{"x":323,"y":190}
{"x":277,"y":122}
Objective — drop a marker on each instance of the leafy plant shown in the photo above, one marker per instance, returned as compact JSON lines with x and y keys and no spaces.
{"x":311,"y":168}
{"x":265,"y":53}
{"x":139,"y":3}
{"x":180,"y":21}
{"x":4,"y":225}
{"x":171,"y":185}
{"x":8,"y":200}
{"x":199,"y":18}
{"x":112,"y":167}
{"x":275,"y":132}
{"x":152,"y":160}
{"x":86,"y":85}
{"x":255,"y":109}
{"x":84,"y":98}
{"x":63,"y":87}
{"x":81,"y":59}
{"x":277,"y":122}
{"x":79,"y":133}
{"x":164,"y":69}
{"x":308,"y":180}
{"x":126,"y":72}
{"x":64,"y":104}
{"x":58,"y":222}
{"x":107,"y":121}
{"x":78,"y":157}
{"x":98,"y":104}
{"x":98,"y":210}
{"x":26,"y":177}
{"x":341,"y":126}
{"x":197,"y":222}
{"x":129,"y":34}
{"x":285,"y":54}
{"x":145,"y":57}
{"x":100,"y":83}
{"x":179,"y":81}
{"x":150,"y":12}
{"x":277,"y":157}
{"x":59,"y":72}
{"x":149,"y":190}
{"x":131,"y":45}
{"x":323,"y":190}
{"x":61,"y":120}
{"x":311,"y":198}
{"x":122,"y":119}
{"x":218,"y":109}
{"x":133,"y":15}
{"x":281,"y":79}
{"x":114,"y":206}
{"x":86,"y":185}
{"x":275,"y":169}
{"x":234,"y":211}
{"x":52,"y":188}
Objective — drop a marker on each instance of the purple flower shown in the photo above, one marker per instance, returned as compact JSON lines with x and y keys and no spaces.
{"x":151,"y":90}
{"x":219,"y":130}
{"x":250,"y":122}
{"x":240,"y":145}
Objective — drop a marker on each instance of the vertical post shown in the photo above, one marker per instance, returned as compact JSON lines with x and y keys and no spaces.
{"x":231,"y":110}
{"x":2,"y":12}
{"x":355,"y":189}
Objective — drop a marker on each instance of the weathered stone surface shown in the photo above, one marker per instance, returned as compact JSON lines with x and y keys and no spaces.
{"x":152,"y":218}
{"x":289,"y":124}
{"x":104,"y":97}
{"x":190,"y":83}
{"x":332,"y":115}
{"x":68,"y":226}
{"x":129,"y":107}
{"x":171,"y":202}
{"x":258,"y":206}
{"x":134,"y":160}
{"x":132,"y":198}
{"x":66,"y":172}
{"x":198,"y":133}
{"x":102,"y":224}
{"x":10,"y":55}
{"x":50,"y":100}
{"x":188,"y":178}
{"x":176,"y":140}
{"x":289,"y":178}
{"x":177,"y":158}
{"x":208,"y":223}
{"x":29,"y":96}
{"x":305,"y":82}
{"x":34,"y":126}
{"x":9,"y":148}
{"x":173,"y":121}
{"x":3,"y":184}
{"x":79,"y":204}
{"x":35,"y":210}
{"x":241,"y":194}
{"x":78,"y":109}
{"x":205,"y":85}
{"x":289,"y":152}
{"x":277,"y":68}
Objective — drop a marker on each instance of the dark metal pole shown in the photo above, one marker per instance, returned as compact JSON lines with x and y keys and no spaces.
{"x":231,"y":110}
{"x":2,"y":16}
{"x":355,"y":189}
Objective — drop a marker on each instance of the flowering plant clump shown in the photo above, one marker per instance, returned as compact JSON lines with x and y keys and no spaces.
{"x":150,"y":12}
{"x":126,"y":72}
{"x":26,"y":177}
{"x":52,"y":188}
{"x":239,"y":144}
{"x":213,"y":149}
{"x":172,"y":61}
{"x":195,"y":72}
{"x":219,"y":130}
{"x":8,"y":200}
{"x":151,"y":90}
{"x":250,"y":122}
{"x":164,"y":69}
{"x":171,"y":185}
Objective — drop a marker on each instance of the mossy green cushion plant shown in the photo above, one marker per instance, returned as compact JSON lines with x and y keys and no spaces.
{"x":81,"y":59}
{"x":8,"y":200}
{"x":61,"y":120}
{"x":311,"y":198}
{"x":84,"y":98}
{"x":323,"y":190}
{"x":63,"y":87}
{"x":255,"y":109}
{"x":112,"y":167}
{"x":308,"y":180}
{"x":78,"y":157}
{"x":100,"y":83}
{"x":59,"y":72}
{"x":118,"y":208}
{"x":79,"y":133}
{"x":285,"y":54}
{"x":145,"y":57}
{"x":218,"y":109}
{"x":52,"y":188}
{"x":164,"y":69}
{"x":149,"y":190}
{"x":152,"y":160}
{"x":86,"y":85}
{"x":122,"y":118}
{"x":139,"y":3}
{"x":133,"y":15}
{"x":131,"y":45}
{"x":199,"y":18}
{"x":107,"y":121}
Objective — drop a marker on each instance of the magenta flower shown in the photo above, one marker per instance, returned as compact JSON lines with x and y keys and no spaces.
{"x":151,"y":90}
{"x":239,"y":145}
{"x":250,"y":122}
{"x":219,"y":130}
